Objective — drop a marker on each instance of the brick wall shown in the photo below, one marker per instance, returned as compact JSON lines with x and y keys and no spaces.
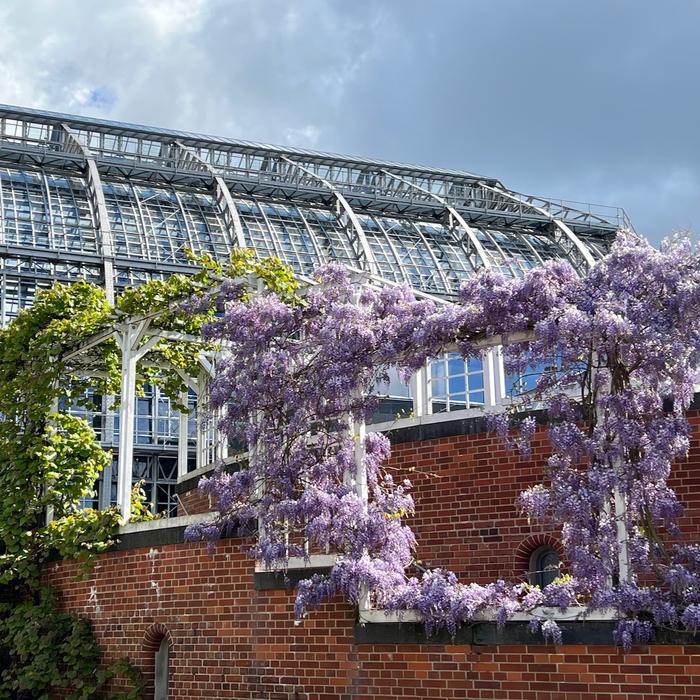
{"x":232,"y":641}
{"x":466,"y":488}
{"x":192,"y":502}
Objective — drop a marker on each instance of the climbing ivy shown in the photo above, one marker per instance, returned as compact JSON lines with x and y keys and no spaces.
{"x":50,"y":459}
{"x":47,"y":650}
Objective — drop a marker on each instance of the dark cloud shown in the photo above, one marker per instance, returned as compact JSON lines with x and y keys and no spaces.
{"x":595,"y":101}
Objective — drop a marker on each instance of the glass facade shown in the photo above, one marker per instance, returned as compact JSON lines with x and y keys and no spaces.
{"x":82,"y":198}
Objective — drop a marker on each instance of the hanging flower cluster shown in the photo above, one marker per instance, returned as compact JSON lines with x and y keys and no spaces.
{"x":615,"y":354}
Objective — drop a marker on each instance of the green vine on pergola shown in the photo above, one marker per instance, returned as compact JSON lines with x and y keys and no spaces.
{"x":50,"y":355}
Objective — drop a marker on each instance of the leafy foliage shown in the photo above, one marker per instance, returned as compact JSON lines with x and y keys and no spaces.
{"x":184,"y":303}
{"x":46,"y":651}
{"x":50,"y":459}
{"x":140,"y":510}
{"x":47,"y":459}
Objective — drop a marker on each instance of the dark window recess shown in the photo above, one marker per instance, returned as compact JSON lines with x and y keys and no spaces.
{"x":544,"y":566}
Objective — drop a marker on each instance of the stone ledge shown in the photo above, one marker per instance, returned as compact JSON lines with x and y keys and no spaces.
{"x":285,"y":580}
{"x":190,"y":481}
{"x":593,"y":632}
{"x":154,"y":533}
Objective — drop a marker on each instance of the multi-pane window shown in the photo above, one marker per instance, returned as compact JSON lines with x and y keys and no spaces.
{"x":90,"y":407}
{"x":17,"y":295}
{"x":160,"y":224}
{"x":130,"y":277}
{"x":518,"y":383}
{"x":525,"y":379}
{"x":395,"y":399}
{"x":156,"y":420}
{"x":455,"y":383}
{"x":158,"y":472}
{"x":545,"y":566}
{"x":45,"y":211}
{"x":71,"y":219}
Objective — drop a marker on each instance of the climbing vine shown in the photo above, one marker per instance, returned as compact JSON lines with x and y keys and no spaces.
{"x":620,"y":348}
{"x":51,"y":459}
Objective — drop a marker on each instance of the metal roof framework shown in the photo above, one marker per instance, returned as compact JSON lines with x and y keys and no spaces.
{"x":467,"y":210}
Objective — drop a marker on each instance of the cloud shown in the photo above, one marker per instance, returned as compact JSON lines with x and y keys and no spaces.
{"x":580,"y":101}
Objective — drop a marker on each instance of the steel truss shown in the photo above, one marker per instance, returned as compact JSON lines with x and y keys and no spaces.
{"x":104,"y":151}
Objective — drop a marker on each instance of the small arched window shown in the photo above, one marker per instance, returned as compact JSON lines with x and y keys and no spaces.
{"x":544,"y":566}
{"x":162,"y":678}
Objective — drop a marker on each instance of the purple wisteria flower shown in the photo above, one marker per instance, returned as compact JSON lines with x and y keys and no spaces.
{"x":614,"y":354}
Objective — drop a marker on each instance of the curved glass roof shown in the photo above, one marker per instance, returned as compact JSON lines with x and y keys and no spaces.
{"x":87,"y":190}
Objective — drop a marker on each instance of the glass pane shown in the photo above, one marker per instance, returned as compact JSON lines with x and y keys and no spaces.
{"x":475,"y":364}
{"x":455,"y":365}
{"x":438,"y":387}
{"x":437,"y":368}
{"x":476,"y":381}
{"x":457,"y":384}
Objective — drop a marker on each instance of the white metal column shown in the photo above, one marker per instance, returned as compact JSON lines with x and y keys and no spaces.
{"x":619,"y":505}
{"x":129,"y":338}
{"x":182,"y":437}
{"x":126,"y":423}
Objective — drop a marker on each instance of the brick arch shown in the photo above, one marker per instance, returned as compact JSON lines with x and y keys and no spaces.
{"x":150,"y":644}
{"x":154,"y":636}
{"x":521,"y":563}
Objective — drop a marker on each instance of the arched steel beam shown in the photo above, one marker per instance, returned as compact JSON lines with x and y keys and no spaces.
{"x":276,"y":241}
{"x":505,"y":258}
{"x":49,"y":208}
{"x":191,"y":237}
{"x":471,"y":239}
{"x":356,"y":234}
{"x":394,"y":251}
{"x":146,"y":242}
{"x":438,"y":267}
{"x":96,"y":196}
{"x":562,"y":235}
{"x":222,"y":195}
{"x":532,"y":248}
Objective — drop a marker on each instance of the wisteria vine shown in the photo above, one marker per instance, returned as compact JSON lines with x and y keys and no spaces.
{"x":619,"y":348}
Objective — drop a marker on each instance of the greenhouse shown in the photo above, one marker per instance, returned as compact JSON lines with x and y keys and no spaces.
{"x":119,"y":204}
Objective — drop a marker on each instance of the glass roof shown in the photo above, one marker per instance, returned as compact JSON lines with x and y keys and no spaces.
{"x":132,"y":200}
{"x":157,"y":224}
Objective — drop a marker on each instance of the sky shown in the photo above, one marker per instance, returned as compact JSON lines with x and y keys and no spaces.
{"x":590,"y":100}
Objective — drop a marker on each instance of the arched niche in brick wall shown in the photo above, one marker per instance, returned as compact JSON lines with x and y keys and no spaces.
{"x":157,"y":647}
{"x":535,"y":544}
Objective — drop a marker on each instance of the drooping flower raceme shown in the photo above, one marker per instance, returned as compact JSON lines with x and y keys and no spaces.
{"x":615,"y":354}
